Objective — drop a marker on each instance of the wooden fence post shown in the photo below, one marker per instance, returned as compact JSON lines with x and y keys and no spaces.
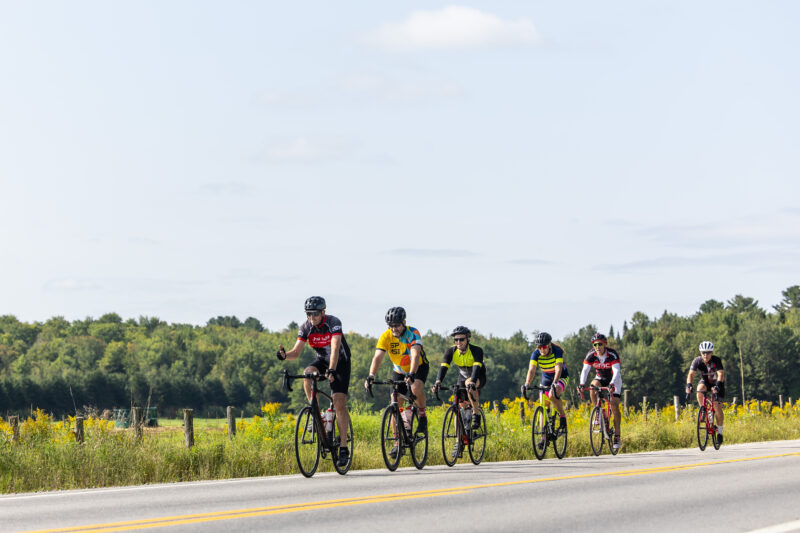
{"x":496,"y":409}
{"x":522,"y":412}
{"x":677,"y":402}
{"x":79,"y":429}
{"x":780,"y":400}
{"x":231,"y":422}
{"x":791,"y":405}
{"x":188,"y":426}
{"x":136,"y":422}
{"x":733,"y":403}
{"x":625,"y":401}
{"x":14,"y":423}
{"x":644,"y":408}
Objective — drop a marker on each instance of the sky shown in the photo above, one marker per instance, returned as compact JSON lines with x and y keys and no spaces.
{"x":507,"y":165}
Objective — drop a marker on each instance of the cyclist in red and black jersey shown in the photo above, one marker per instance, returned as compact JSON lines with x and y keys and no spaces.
{"x":606,"y":363}
{"x":324,"y":333}
{"x":712,"y":376}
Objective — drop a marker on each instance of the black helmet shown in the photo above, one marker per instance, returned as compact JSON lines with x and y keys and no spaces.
{"x":315,"y":303}
{"x":599,"y":337}
{"x":461,"y":330}
{"x":542,"y":339}
{"x":395,"y":315}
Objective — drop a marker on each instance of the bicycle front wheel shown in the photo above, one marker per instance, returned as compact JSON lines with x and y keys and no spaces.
{"x":306,"y":443}
{"x":419,"y":443}
{"x":560,"y":441}
{"x":390,"y":437}
{"x":539,"y":433}
{"x":451,"y":436}
{"x":596,"y":430}
{"x":477,"y":440}
{"x":336,"y":446}
{"x":702,"y":428}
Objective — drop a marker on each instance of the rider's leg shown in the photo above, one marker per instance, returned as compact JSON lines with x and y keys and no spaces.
{"x":310,"y":369}
{"x":720,"y":416}
{"x":593,"y":393}
{"x":342,"y":415}
{"x":615,"y":411}
{"x":701,"y":390}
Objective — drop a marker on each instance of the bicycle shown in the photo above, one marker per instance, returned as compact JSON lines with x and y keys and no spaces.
{"x":457,"y":430}
{"x":392,"y":437}
{"x":706,"y":421}
{"x":311,"y":440}
{"x":600,"y":428}
{"x":543,"y":426}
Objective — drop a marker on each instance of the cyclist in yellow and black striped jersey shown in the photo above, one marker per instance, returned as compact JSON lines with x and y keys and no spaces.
{"x":471,"y":370}
{"x":550,"y":358}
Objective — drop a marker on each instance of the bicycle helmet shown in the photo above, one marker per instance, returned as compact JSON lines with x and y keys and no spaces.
{"x":395,"y":315}
{"x":315,"y":303}
{"x":542,"y":339}
{"x":706,"y":346}
{"x":599,"y":337}
{"x":461,"y":330}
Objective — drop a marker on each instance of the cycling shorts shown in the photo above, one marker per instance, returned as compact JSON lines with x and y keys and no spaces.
{"x":421,"y":375}
{"x":605,"y":383}
{"x":709,"y":386}
{"x":481,"y":377}
{"x":547,"y":380}
{"x":341,"y":377}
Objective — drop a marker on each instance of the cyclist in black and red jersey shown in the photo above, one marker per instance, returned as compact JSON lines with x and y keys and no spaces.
{"x":606,"y":363}
{"x":471,"y":370}
{"x":324,"y":333}
{"x":712,"y":376}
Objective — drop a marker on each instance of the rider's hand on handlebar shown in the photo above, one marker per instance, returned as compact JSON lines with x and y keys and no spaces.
{"x":368,"y":381}
{"x":436,"y":387}
{"x":715,"y":389}
{"x":330,"y":374}
{"x":281,"y":355}
{"x":688,"y":388}
{"x":523,"y":389}
{"x":410,"y":377}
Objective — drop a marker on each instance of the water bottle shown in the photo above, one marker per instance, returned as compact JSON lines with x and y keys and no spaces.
{"x":329,"y":419}
{"x":407,"y":415}
{"x":468,"y":417}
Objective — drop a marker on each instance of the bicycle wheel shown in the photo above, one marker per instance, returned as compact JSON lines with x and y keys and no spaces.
{"x":560,"y":441}
{"x":596,"y":430}
{"x":611,"y":435}
{"x":390,"y":437}
{"x":477,"y":441}
{"x":335,"y":444}
{"x":451,"y":436}
{"x":539,"y":433}
{"x":702,"y":428}
{"x":306,"y":443}
{"x":419,"y":443}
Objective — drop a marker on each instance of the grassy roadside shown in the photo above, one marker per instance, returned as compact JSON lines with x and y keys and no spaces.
{"x":47,"y":457}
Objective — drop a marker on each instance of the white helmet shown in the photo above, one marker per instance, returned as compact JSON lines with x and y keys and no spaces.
{"x":706,"y":346}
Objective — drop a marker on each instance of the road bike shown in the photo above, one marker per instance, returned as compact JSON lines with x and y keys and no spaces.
{"x":543,"y":426}
{"x":311,"y":439}
{"x":706,"y":421}
{"x":600,"y":427}
{"x":400,"y":428}
{"x":457,"y":430}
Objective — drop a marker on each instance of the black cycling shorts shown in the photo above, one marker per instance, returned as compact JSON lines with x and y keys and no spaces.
{"x":481,"y":377}
{"x":606,"y":383}
{"x":341,"y":377}
{"x":421,"y":375}
{"x":720,"y":385}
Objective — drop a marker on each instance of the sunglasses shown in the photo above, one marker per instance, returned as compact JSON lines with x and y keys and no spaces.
{"x":395,"y":326}
{"x":543,"y":346}
{"x":706,"y":353}
{"x":313,"y":313}
{"x":597,"y":344}
{"x":459,"y":339}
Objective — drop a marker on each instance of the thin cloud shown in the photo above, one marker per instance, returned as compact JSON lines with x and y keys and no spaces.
{"x":758,"y":259}
{"x":301,"y":150}
{"x":231,"y":187}
{"x":71,"y":284}
{"x":421,"y":252}
{"x":399,"y":90}
{"x":530,"y":262}
{"x":454,"y":27}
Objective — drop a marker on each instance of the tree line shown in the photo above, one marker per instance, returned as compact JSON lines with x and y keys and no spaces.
{"x":67,"y":367}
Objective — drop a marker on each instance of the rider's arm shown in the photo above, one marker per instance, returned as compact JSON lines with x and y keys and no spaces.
{"x":615,"y":377}
{"x":477,"y":362}
{"x":531,"y":372}
{"x":720,"y":376}
{"x":377,"y":359}
{"x":690,"y":377}
{"x":295,"y":352}
{"x":336,"y":343}
{"x":585,"y":373}
{"x":416,"y":357}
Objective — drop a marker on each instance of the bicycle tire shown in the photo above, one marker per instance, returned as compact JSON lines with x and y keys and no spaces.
{"x":539,"y":433}
{"x":560,"y":440}
{"x":306,"y":446}
{"x":477,"y":441}
{"x":702,"y":428}
{"x":419,"y":443}
{"x":451,"y":436}
{"x":596,"y":430}
{"x":348,"y":444}
{"x":391,"y":438}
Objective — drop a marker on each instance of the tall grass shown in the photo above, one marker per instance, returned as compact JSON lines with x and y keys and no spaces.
{"x":48,"y":458}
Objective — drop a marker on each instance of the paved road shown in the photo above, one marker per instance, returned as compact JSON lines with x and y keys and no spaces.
{"x":738,"y":488}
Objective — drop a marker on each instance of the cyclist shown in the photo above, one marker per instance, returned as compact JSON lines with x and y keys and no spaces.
{"x":712,"y":376}
{"x":606,"y":363}
{"x":550,"y":357}
{"x":471,"y":370}
{"x":324,"y":333}
{"x":409,"y":362}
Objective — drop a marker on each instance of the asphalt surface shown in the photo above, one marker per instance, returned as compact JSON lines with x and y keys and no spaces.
{"x":741,"y":487}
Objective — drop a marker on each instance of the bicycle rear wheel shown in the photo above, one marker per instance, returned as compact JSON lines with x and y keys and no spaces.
{"x":391,"y":426}
{"x":560,"y":441}
{"x":477,"y":441}
{"x":596,"y":430}
{"x":539,"y":433}
{"x":702,"y":428}
{"x":451,"y":436}
{"x":419,"y":443}
{"x":306,"y":443}
{"x":336,"y":446}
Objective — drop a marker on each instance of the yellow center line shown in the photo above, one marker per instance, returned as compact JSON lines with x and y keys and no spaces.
{"x":308,"y":506}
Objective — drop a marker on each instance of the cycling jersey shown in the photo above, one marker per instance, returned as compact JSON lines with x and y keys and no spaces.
{"x":548,"y":362}
{"x":319,"y":337}
{"x":708,"y":371}
{"x":470,"y":363}
{"x":399,"y":349}
{"x":607,"y":368}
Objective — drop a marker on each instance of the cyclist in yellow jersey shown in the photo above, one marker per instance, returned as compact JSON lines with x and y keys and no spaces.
{"x":471,"y":370}
{"x":404,"y":345}
{"x":550,"y":358}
